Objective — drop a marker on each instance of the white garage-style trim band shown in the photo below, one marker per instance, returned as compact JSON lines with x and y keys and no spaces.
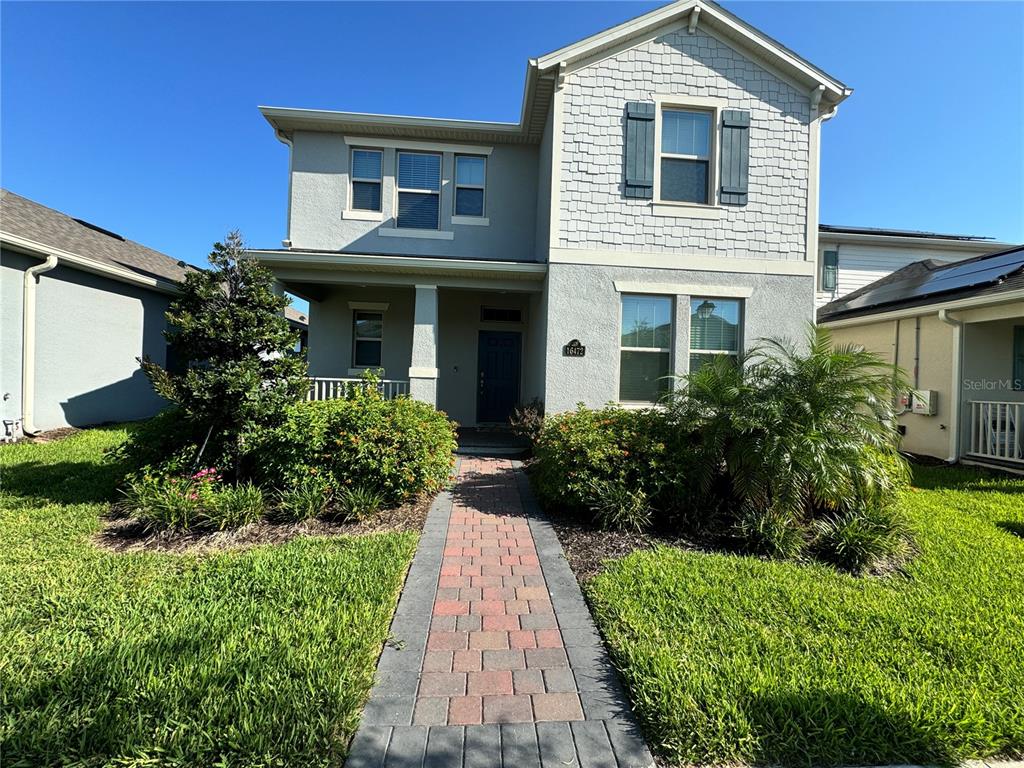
{"x":684,"y":289}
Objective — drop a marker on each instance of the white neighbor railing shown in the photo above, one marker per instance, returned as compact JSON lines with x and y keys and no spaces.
{"x":996,"y":430}
{"x":332,"y":389}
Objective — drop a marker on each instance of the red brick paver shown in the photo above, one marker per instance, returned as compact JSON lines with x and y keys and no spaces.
{"x":493,"y":632}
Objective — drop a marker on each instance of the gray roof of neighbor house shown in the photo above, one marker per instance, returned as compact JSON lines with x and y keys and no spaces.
{"x":295,"y":317}
{"x":31,"y":221}
{"x":898,"y":233}
{"x":932,"y":282}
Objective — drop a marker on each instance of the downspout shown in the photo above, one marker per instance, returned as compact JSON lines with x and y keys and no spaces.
{"x":958,"y":335}
{"x":287,"y":242}
{"x":28,"y":344}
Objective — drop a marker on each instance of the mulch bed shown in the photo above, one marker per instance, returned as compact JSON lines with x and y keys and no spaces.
{"x":129,"y":534}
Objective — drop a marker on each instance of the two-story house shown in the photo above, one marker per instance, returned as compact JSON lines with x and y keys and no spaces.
{"x":655,"y":206}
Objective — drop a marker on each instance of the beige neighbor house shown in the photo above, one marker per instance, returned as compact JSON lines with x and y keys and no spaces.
{"x":957,"y":329}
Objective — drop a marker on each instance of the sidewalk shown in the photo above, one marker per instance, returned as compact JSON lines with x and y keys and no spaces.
{"x":494,"y":659}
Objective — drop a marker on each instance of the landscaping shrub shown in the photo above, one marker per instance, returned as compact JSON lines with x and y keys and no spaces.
{"x":199,"y":501}
{"x":399,"y":448}
{"x":233,"y":506}
{"x":359,"y":503}
{"x":859,"y":538}
{"x":771,"y":532}
{"x":304,"y":499}
{"x":618,"y":507}
{"x":167,"y":440}
{"x":528,"y":420}
{"x":580,"y":452}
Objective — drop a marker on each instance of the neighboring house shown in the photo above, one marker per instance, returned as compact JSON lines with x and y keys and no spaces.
{"x":655,"y":205}
{"x":852,"y":257}
{"x":79,"y":305}
{"x":958,"y":331}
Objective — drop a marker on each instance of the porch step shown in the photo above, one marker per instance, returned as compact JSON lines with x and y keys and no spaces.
{"x":476,"y":441}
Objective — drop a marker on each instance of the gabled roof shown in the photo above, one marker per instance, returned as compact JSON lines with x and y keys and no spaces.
{"x":929,"y":282}
{"x":910,"y":233}
{"x":28,"y":226}
{"x":542,"y":74}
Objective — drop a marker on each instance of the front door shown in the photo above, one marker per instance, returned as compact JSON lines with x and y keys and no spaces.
{"x":497,"y":375}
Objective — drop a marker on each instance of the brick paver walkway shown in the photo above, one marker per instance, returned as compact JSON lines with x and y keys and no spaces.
{"x":494,"y":659}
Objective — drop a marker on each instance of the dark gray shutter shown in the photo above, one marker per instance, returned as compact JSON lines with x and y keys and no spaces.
{"x":735,"y":157}
{"x":639,"y":149}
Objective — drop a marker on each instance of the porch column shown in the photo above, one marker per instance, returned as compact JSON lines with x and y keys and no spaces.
{"x":423,"y":364}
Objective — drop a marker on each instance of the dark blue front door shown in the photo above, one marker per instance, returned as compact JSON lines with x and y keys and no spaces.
{"x":497,"y":376}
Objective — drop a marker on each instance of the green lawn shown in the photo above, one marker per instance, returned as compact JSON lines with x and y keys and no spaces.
{"x":734,"y":659}
{"x":248,"y":658}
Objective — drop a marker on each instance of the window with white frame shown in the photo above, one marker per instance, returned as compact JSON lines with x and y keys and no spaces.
{"x":366,"y":179}
{"x":685,"y":158}
{"x":419,"y":190}
{"x":645,"y":348}
{"x":470,"y":182}
{"x":368,"y":339}
{"x":715,"y":330}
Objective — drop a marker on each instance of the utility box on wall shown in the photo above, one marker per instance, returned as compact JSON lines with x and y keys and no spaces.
{"x":924,"y":402}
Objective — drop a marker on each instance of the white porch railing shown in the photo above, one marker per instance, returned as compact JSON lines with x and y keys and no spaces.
{"x":996,"y":430}
{"x":332,"y":389}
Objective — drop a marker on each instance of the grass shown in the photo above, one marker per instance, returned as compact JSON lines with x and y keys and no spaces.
{"x":735,"y":659}
{"x":260,"y":657}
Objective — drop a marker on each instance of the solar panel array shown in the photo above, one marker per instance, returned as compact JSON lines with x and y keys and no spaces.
{"x":954,"y":278}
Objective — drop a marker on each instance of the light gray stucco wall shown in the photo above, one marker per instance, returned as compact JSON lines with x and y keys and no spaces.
{"x":594,"y":213}
{"x":330,"y":331}
{"x":89,"y":332}
{"x":320,"y":191}
{"x":12,"y":270}
{"x":583,"y":304}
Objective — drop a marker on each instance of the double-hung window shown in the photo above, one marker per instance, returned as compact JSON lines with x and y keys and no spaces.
{"x":470,"y":181}
{"x":715,"y":330}
{"x":645,"y":351}
{"x":366,"y":179}
{"x":368,"y":338}
{"x":685,"y":156}
{"x":419,"y":190}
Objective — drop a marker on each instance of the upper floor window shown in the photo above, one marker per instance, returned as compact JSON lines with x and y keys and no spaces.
{"x":829,"y":270}
{"x":685,"y":156}
{"x":645,"y":348}
{"x":419,"y":190}
{"x":366,"y":179}
{"x":470,"y":181}
{"x":715,"y":326}
{"x":368,"y":338}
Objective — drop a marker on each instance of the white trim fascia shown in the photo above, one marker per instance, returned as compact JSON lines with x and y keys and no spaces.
{"x":981,"y":246}
{"x":555,"y":193}
{"x":426,"y":264}
{"x":471,"y":221}
{"x":675,"y":260}
{"x":357,"y":215}
{"x":683,"y":289}
{"x":405,"y":121}
{"x":422,"y":372}
{"x":85,"y":264}
{"x":680,"y":11}
{"x":973,"y":302}
{"x":431,"y":146}
{"x":426,"y":234}
{"x":369,"y":306}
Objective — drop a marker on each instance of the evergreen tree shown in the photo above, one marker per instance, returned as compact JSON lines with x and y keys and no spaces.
{"x":236,"y":349}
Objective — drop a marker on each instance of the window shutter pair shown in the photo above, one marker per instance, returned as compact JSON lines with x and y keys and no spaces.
{"x":640,"y":153}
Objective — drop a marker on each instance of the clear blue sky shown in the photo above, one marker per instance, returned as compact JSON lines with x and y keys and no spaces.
{"x":142,"y":117}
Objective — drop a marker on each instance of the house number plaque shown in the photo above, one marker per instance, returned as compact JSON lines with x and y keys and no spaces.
{"x":574,"y":349}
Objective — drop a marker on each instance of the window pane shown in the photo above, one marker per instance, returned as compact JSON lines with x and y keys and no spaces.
{"x":469,"y":170}
{"x":369,"y":325}
{"x":715,"y":324}
{"x":646,"y":321}
{"x":643,"y":376}
{"x":685,"y":133}
{"x":365,"y":164}
{"x":418,"y":210}
{"x":469,"y":202}
{"x":698,"y":361}
{"x":366,"y":195}
{"x":367,"y":353}
{"x":684,"y":180}
{"x":419,"y":171}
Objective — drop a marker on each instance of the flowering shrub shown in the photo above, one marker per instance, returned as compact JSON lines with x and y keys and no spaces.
{"x":397,"y":448}
{"x":198,"y":501}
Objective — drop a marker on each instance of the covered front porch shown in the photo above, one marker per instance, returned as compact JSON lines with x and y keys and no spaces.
{"x":468,"y":337}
